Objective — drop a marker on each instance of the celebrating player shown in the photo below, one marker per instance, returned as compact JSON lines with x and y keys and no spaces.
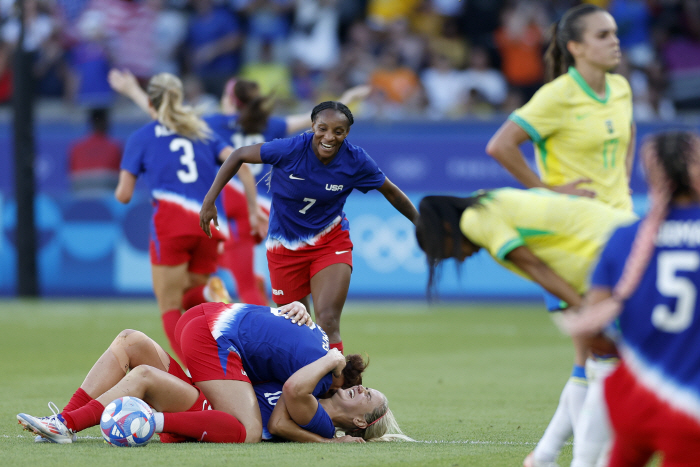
{"x":308,"y":246}
{"x":179,"y":157}
{"x":581,"y":125}
{"x":244,"y":120}
{"x":647,"y":278}
{"x":184,"y":412}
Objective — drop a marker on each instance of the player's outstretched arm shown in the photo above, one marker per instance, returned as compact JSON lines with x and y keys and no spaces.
{"x":399,"y":200}
{"x":282,"y":425}
{"x":302,"y":121}
{"x":230,"y":167}
{"x":125,"y":83}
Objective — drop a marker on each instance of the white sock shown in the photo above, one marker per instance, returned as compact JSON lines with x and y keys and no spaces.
{"x":561,"y":427}
{"x":592,"y":433}
{"x":160,"y":420}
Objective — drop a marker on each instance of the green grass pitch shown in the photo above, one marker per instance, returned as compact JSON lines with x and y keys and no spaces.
{"x":475,"y":384}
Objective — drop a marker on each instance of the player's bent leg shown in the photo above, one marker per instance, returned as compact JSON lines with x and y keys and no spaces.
{"x":236,"y":398}
{"x":329,"y":289}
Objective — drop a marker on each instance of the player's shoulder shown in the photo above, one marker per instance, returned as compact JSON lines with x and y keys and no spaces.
{"x":217,"y":119}
{"x":618,"y":84}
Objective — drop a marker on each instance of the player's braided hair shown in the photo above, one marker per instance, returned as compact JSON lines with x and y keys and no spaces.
{"x":672,"y":164}
{"x":335,"y":105}
{"x":165,"y":94}
{"x":570,"y":27}
{"x":253,"y":109}
{"x":439,"y":219}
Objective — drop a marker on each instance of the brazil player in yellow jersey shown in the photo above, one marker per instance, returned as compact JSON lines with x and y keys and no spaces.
{"x":581,"y":121}
{"x":549,"y":238}
{"x":581,"y":125}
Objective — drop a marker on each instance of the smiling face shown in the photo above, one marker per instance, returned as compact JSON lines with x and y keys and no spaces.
{"x":357,"y":401}
{"x":330,"y":128}
{"x":599,"y":44}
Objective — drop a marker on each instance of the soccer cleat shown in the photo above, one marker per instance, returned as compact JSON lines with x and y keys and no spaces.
{"x":215,"y":291}
{"x":53,"y":428}
{"x":531,"y":462}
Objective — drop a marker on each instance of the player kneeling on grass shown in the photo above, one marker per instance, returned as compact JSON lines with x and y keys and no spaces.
{"x":135,"y":365}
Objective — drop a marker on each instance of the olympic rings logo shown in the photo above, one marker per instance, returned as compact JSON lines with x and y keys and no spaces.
{"x":387,"y":244}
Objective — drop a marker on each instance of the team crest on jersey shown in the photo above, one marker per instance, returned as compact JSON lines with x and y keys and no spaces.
{"x":609,"y":126}
{"x":334,"y":187}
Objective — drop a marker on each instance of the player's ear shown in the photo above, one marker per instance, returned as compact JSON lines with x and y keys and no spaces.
{"x":360,"y":422}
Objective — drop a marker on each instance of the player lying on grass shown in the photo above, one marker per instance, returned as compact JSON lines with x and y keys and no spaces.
{"x":136,"y":365}
{"x":548,"y":238}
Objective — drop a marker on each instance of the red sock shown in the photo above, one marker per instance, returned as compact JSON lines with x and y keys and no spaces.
{"x":84,"y":417}
{"x":337,"y":345}
{"x":212,"y":426}
{"x":193,"y":296}
{"x":170,"y":319}
{"x":79,"y":399}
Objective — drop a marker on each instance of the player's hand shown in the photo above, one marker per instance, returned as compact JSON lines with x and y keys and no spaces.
{"x":588,"y":320}
{"x":339,"y":360}
{"x":122,"y":81}
{"x":347,"y":439}
{"x":296,"y":311}
{"x":206,"y":215}
{"x":571,"y":188}
{"x":259,"y":223}
{"x":355,"y":93}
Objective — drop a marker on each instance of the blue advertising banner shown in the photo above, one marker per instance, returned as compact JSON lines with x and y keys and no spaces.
{"x":91,"y":245}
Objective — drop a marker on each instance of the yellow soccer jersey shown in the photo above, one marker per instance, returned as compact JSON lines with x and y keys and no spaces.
{"x":577,"y":134}
{"x":566,"y":232}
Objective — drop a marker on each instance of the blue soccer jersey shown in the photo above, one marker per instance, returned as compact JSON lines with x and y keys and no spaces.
{"x":178,"y":171}
{"x":660,"y":322}
{"x":308,"y":196}
{"x":226,"y":126}
{"x":269,"y":393}
{"x":271,"y":347}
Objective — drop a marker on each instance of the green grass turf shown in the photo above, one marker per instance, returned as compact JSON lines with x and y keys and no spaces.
{"x":476,"y":384}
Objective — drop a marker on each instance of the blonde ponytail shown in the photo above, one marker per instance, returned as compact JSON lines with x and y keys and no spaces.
{"x":165,"y":94}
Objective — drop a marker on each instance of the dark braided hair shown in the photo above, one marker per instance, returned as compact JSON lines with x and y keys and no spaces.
{"x":434,"y":213}
{"x":557,"y":58}
{"x":335,"y":105}
{"x":354,"y":367}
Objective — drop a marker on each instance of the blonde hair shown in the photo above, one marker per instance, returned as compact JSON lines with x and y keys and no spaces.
{"x":381,"y":426}
{"x":165,"y":94}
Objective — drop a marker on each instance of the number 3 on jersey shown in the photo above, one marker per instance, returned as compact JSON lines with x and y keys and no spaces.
{"x":189,"y":174}
{"x":682,"y":288}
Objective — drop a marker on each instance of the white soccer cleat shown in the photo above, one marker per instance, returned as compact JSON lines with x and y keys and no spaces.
{"x":52,"y":428}
{"x":530,"y":461}
{"x":215,"y":291}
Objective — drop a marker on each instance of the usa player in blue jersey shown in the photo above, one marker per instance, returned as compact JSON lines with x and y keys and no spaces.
{"x":136,"y":365}
{"x":308,"y":245}
{"x":246,"y":119}
{"x":646,"y":282}
{"x":178,"y":156}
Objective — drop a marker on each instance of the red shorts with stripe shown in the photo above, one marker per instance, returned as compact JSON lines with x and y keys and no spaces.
{"x":199,"y":405}
{"x":205,"y":360}
{"x":644,"y":424}
{"x":200,"y":252}
{"x":291,"y":270}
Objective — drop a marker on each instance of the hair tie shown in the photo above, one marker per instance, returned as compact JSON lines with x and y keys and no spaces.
{"x":377,"y":420}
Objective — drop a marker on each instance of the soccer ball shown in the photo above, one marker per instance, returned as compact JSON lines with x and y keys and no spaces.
{"x":127,"y":422}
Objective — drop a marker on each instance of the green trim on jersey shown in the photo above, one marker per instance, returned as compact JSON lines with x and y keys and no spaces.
{"x":532,"y":232}
{"x":508,"y":247}
{"x":573,"y":72}
{"x":529,"y":129}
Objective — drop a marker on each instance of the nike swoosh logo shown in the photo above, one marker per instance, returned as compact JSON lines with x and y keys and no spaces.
{"x":294,"y":178}
{"x":341,"y":252}
{"x":581,"y":117}
{"x":203,"y":435}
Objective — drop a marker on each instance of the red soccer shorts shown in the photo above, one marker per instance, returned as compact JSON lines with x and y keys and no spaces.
{"x":205,"y":360}
{"x":201,"y":252}
{"x":643,"y":424}
{"x":291,"y":270}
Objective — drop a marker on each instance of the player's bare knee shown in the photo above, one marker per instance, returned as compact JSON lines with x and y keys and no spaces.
{"x":119,"y":347}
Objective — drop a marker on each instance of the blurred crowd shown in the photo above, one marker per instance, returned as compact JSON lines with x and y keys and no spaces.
{"x":440,"y":59}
